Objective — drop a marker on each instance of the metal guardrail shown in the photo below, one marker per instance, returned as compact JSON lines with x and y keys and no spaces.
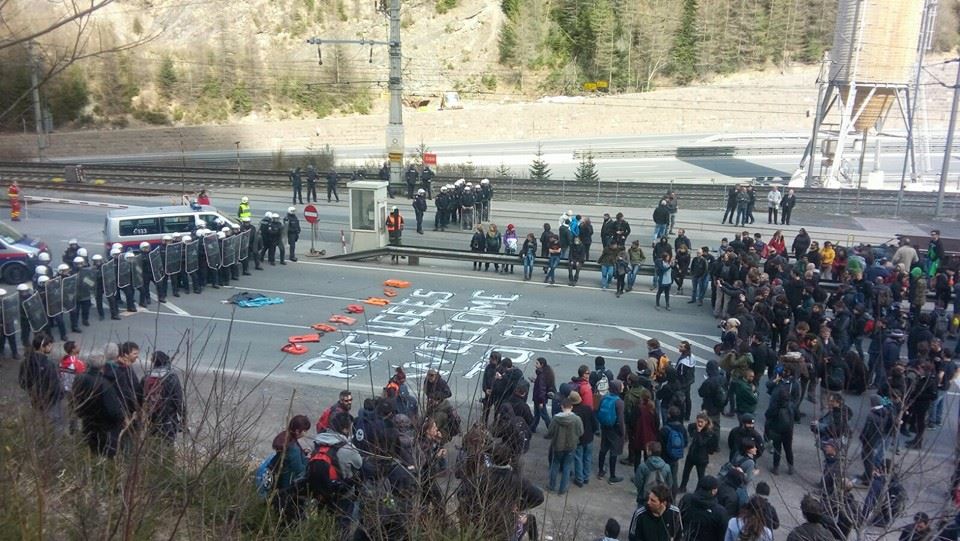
{"x":709,"y":194}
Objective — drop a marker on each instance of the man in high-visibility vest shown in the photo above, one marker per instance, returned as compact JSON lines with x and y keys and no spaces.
{"x":244,"y":210}
{"x":13,"y":193}
{"x":394,"y":230}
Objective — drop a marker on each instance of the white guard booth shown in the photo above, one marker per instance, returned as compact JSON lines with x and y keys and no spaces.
{"x":368,"y":214}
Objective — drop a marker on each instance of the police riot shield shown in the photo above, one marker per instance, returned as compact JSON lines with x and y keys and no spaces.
{"x":36,"y":313}
{"x":211,"y":247}
{"x":192,"y":260}
{"x":124,"y":269}
{"x":231,"y":248}
{"x":136,"y":268}
{"x":245,"y":244}
{"x":53,"y":290}
{"x":156,"y":264}
{"x":87,"y":283}
{"x":174,"y":258}
{"x":108,"y":272}
{"x":70,"y":285}
{"x":10,"y":309}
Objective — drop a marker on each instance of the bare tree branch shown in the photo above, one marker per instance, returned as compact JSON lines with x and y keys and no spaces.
{"x":78,"y":13}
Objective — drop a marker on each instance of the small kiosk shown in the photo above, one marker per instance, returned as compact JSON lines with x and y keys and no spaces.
{"x":368,"y":214}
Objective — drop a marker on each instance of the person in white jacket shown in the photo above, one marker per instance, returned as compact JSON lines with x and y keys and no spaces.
{"x":773,"y":204}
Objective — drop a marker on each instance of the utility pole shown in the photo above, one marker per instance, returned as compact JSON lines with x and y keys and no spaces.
{"x":948,"y":151}
{"x":35,"y":97}
{"x":239,"y":182}
{"x":394,"y":132}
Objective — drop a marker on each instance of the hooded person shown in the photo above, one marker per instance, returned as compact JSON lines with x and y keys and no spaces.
{"x":703,"y":518}
{"x":713,"y":392}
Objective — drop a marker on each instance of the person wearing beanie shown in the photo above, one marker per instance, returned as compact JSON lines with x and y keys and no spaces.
{"x":612,"y":430}
{"x":600,"y":373}
{"x":703,"y":517}
{"x":583,"y":456}
{"x":747,"y":429}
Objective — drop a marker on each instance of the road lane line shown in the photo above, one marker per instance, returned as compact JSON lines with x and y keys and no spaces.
{"x":645,"y":338}
{"x":678,"y":336}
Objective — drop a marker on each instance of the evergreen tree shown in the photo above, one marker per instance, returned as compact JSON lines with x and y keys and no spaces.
{"x":166,"y":78}
{"x":503,"y":171}
{"x":539,"y":170}
{"x":685,"y":44}
{"x":587,"y":170}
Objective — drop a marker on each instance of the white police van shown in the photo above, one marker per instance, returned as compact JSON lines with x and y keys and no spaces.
{"x":129,"y":227}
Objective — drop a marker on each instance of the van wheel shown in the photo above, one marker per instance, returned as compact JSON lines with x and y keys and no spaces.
{"x":15,"y":273}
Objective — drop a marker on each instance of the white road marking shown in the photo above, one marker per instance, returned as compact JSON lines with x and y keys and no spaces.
{"x":635,"y":331}
{"x":357,"y":330}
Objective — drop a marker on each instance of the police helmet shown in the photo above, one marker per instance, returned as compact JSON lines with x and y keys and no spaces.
{"x":236,"y":227}
{"x":244,"y":199}
{"x":469,"y":185}
{"x":117,"y":245}
{"x":23,"y":287}
{"x":485,"y":181}
{"x":186,"y":238}
{"x":144,"y":244}
{"x":225,"y":229}
{"x":267,"y":214}
{"x":443,"y":188}
{"x":459,"y":182}
{"x":82,"y":252}
{"x":200,"y":223}
{"x":221,"y":235}
{"x":41,"y":269}
{"x":78,"y":260}
{"x":394,"y":209}
{"x":129,"y":255}
{"x":72,"y":242}
{"x":114,"y":251}
{"x":63,"y":267}
{"x":43,"y":280}
{"x":245,"y":219}
{"x":43,"y":256}
{"x":291,"y":210}
{"x":96,"y":257}
{"x":421,"y":192}
{"x":177,"y":235}
{"x":167,"y":238}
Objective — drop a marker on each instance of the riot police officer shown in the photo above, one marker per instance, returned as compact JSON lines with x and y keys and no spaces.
{"x":146,"y":273}
{"x":253,"y":251}
{"x":71,"y":251}
{"x":53,"y":321}
{"x":128,"y":289}
{"x":85,"y":285}
{"x":224,"y":271}
{"x":24,"y":291}
{"x":419,"y":207}
{"x":163,"y":281}
{"x":426,"y":180}
{"x":486,"y":195}
{"x":411,"y":177}
{"x":467,"y":204}
{"x":440,"y":207}
{"x":297,"y":184}
{"x":312,"y":178}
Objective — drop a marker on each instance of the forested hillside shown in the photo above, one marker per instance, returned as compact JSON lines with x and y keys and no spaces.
{"x":168,"y":62}
{"x":632,"y":44}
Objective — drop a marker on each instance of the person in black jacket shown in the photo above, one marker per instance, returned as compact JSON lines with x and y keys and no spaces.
{"x":312,"y":178}
{"x":686,"y":375}
{"x":39,"y":376}
{"x":704,"y":441}
{"x":419,"y":208}
{"x":490,"y":375}
{"x":731,"y":211}
{"x":121,"y":375}
{"x":713,"y":392}
{"x":163,"y":399}
{"x":292,"y":224}
{"x":786,"y":204}
{"x":98,"y":406}
{"x":703,"y":518}
{"x":745,"y":430}
{"x":478,"y":243}
{"x":586,"y":237}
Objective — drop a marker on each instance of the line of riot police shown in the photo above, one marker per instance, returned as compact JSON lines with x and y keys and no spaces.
{"x":463,"y":203}
{"x":211,"y":255}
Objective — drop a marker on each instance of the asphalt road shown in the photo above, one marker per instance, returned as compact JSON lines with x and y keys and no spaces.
{"x":449,"y":318}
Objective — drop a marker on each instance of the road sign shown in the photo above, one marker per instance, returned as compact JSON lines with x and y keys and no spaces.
{"x":310,"y":214}
{"x":429,"y":158}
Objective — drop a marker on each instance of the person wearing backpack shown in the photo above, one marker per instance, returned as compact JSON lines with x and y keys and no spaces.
{"x":289,"y":467}
{"x":612,"y":430}
{"x":600,"y":380}
{"x":784,"y":397}
{"x":163,"y":399}
{"x":651,"y":472}
{"x":673,"y":440}
{"x":343,"y":404}
{"x":333,"y":470}
{"x":713,"y":392}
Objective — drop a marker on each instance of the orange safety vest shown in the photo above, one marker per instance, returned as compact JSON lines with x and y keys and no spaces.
{"x":13,"y":192}
{"x":392,"y":224}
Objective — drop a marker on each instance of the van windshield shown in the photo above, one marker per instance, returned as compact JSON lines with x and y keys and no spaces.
{"x":8,"y":234}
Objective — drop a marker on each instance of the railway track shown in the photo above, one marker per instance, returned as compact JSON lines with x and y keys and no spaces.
{"x":169,"y":180}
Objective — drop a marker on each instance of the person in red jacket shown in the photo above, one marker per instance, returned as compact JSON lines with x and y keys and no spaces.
{"x":583,"y":385}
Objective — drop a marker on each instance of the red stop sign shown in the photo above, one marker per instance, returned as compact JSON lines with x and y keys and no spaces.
{"x":310,"y":214}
